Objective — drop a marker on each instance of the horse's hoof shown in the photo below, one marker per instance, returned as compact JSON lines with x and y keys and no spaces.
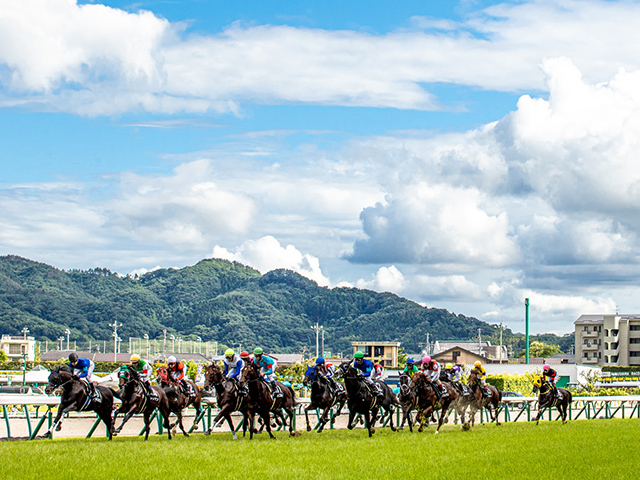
{"x":436,"y":432}
{"x":308,"y":428}
{"x":400,"y":428}
{"x":394,"y":429}
{"x":58,"y":428}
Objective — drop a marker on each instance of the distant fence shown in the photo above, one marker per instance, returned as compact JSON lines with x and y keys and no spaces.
{"x":512,"y":409}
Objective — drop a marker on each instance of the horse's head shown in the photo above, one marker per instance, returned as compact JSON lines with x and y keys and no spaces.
{"x":250,"y":373}
{"x":473,"y":379}
{"x":212,"y":376}
{"x":309,"y":376}
{"x":163,"y":374}
{"x":343,"y":369}
{"x":124,"y":376}
{"x":538,"y":383}
{"x":57,"y":378}
{"x":405,"y":383}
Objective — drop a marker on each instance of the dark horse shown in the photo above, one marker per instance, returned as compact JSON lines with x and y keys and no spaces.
{"x":362,"y":401}
{"x":481,"y":400}
{"x":74,"y":396}
{"x":429,"y":401}
{"x":323,"y":397}
{"x":262,"y":402}
{"x":178,"y":400}
{"x":408,"y":400}
{"x":548,"y":399}
{"x":136,"y":399}
{"x":229,"y":398}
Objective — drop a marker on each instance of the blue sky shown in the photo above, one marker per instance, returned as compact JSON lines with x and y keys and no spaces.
{"x":465,"y":155}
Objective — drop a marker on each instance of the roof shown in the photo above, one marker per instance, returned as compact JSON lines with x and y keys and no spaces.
{"x":457,"y":347}
{"x":369,"y":343}
{"x":468,"y":345}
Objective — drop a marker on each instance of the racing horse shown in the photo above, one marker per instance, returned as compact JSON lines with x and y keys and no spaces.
{"x":362,"y":401}
{"x":548,"y":399}
{"x":75,"y":396}
{"x":230,"y":399}
{"x":263,"y":402}
{"x":323,"y":397}
{"x":178,"y":400}
{"x":408,"y":400}
{"x":426,"y":391}
{"x":136,"y":399}
{"x":489,"y":402}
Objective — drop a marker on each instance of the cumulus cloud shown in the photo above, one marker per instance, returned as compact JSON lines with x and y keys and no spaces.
{"x":266,"y":254}
{"x":98,"y":60}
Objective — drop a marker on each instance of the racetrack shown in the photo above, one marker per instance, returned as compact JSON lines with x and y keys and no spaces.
{"x":582,"y":449}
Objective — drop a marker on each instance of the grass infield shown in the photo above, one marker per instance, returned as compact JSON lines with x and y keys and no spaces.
{"x":584,"y":449}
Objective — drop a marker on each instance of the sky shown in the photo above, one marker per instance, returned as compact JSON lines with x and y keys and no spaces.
{"x":463,"y":154}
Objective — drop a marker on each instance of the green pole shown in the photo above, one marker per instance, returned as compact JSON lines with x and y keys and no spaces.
{"x":526,"y":322}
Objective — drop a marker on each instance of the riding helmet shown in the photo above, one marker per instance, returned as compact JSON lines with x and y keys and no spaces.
{"x":134,"y":358}
{"x":319,"y":360}
{"x":73,"y":357}
{"x":229,"y":353}
{"x":258,"y":351}
{"x":410,"y":361}
{"x":358,"y":355}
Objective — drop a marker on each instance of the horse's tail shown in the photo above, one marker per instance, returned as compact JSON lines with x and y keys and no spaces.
{"x":293,"y":395}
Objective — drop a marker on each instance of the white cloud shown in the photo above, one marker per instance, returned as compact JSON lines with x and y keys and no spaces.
{"x":96,"y":60}
{"x":266,"y":254}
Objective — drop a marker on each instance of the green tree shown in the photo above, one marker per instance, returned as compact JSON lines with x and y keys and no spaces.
{"x":3,"y":357}
{"x":540,"y":349}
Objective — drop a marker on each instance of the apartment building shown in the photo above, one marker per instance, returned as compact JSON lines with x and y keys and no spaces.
{"x":612,"y":339}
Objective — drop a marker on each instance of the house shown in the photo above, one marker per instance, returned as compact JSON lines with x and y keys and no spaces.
{"x":385,"y":353}
{"x":16,"y":347}
{"x":483,"y":349}
{"x":608,"y":339}
{"x":459,"y":356}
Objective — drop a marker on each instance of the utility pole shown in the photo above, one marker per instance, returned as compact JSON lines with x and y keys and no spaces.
{"x":67,"y":332}
{"x":479,"y":341}
{"x":526,"y":323}
{"x":146,"y":337}
{"x":164,"y":344}
{"x":115,"y":325}
{"x":500,"y":343}
{"x":322,"y":342}
{"x":25,"y":330}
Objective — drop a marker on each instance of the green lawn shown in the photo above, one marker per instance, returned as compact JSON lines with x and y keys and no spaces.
{"x":584,"y":449}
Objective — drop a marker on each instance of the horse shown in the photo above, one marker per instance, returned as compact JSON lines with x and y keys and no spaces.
{"x":548,"y":399}
{"x":464,"y":400}
{"x":136,"y":399}
{"x":323,"y":397}
{"x":262,"y":401}
{"x":364,"y":402}
{"x":490,"y":403}
{"x":75,"y":396}
{"x":178,"y":400}
{"x":408,"y":400}
{"x":426,"y":391}
{"x":230,"y":398}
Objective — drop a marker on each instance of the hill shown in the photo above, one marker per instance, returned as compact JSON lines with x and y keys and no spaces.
{"x":216,"y":300}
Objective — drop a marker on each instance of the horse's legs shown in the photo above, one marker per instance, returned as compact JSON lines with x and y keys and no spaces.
{"x":267,"y":423}
{"x":124,"y":420}
{"x":57,"y":422}
{"x":306,"y":415}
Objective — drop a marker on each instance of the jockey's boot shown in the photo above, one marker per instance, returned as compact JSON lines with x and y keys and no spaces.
{"x":378,"y":390}
{"x":93,"y":394}
{"x":275,"y":390}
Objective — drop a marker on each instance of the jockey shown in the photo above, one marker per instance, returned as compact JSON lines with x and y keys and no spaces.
{"x":232,"y":365}
{"x":378,"y":372}
{"x":326,"y":370}
{"x":267,"y":370}
{"x":481,"y":375}
{"x":454,"y":373}
{"x":366,"y":367}
{"x":144,"y":369}
{"x":551,"y":375}
{"x":411,"y":368}
{"x":431,"y":368}
{"x":84,"y":368}
{"x":177,"y":373}
{"x":246,"y":358}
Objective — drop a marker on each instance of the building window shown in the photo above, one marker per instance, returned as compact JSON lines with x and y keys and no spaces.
{"x":614,"y":332}
{"x":606,"y":359}
{"x":606,"y":332}
{"x":378,"y":351}
{"x":14,"y":349}
{"x":634,"y":354}
{"x":634,"y":328}
{"x":634,"y":340}
{"x":455,"y":354}
{"x":366,"y":350}
{"x":614,"y":359}
{"x":614,"y":346}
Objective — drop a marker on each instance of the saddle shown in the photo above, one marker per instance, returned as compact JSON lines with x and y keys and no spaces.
{"x":485,"y":391}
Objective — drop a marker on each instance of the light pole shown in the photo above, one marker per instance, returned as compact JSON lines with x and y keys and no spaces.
{"x":115,"y":325}
{"x":179,"y":344}
{"x":164,"y":344}
{"x":67,"y":333}
{"x":317,"y":330}
{"x":199,"y":340}
{"x":24,"y":370}
{"x":146,"y":337}
{"x":25,"y":330}
{"x":173,"y":343}
{"x":60,"y":339}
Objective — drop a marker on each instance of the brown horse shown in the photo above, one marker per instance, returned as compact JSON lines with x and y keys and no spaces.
{"x":178,"y":399}
{"x":262,"y":402}
{"x":548,"y":399}
{"x":490,"y":402}
{"x":136,"y":399}
{"x":408,"y":400}
{"x":426,"y":392}
{"x":322,"y":397}
{"x":229,"y":397}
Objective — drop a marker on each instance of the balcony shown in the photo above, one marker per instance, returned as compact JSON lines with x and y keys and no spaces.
{"x":589,"y":334}
{"x":590,"y":346}
{"x":590,"y":361}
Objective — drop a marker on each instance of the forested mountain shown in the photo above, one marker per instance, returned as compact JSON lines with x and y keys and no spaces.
{"x":217,"y":300}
